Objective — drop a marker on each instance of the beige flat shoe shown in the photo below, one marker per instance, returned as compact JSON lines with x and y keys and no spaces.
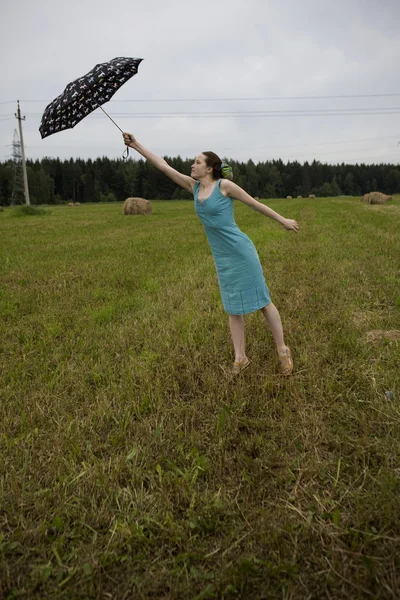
{"x":240,"y":366}
{"x":286,"y":363}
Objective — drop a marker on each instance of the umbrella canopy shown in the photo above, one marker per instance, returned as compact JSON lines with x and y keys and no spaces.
{"x":84,"y":95}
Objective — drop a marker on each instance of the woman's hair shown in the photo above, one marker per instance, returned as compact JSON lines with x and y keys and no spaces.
{"x":219,"y":168}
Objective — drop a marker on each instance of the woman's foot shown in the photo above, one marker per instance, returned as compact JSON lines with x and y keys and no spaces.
{"x":286,"y":361}
{"x":240,"y":365}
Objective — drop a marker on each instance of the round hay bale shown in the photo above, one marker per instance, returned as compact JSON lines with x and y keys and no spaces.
{"x":70,"y":203}
{"x":290,"y":197}
{"x":311,"y":195}
{"x":137,"y":206}
{"x":299,"y":196}
{"x":376,"y":198}
{"x":77,"y":204}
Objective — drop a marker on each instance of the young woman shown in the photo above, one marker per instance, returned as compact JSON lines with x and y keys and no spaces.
{"x":240,"y":276}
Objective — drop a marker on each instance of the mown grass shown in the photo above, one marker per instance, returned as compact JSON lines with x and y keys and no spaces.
{"x":133,"y":467}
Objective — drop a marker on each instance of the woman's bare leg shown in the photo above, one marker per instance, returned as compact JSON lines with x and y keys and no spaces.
{"x":273,"y":319}
{"x":236,"y":324}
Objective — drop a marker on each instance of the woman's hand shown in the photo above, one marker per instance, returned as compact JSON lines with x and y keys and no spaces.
{"x":291,"y":225}
{"x":129,"y":139}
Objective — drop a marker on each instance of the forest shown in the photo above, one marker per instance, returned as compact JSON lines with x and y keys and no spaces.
{"x":55,"y":181}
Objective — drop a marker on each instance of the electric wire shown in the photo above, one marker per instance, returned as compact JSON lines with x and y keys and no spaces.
{"x":238,"y":99}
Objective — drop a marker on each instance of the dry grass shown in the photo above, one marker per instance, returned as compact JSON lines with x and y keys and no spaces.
{"x":132,"y":468}
{"x":378,"y":334}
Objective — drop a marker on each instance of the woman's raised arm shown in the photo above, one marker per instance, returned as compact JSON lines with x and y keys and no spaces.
{"x":184,"y":181}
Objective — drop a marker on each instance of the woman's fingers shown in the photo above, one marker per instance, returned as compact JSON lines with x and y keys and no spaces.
{"x":127,"y":137}
{"x":292,"y":225}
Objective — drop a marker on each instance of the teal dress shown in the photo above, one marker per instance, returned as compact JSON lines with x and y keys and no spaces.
{"x":240,"y":276}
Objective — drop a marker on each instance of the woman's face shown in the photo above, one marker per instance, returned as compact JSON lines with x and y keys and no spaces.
{"x":199,"y":167}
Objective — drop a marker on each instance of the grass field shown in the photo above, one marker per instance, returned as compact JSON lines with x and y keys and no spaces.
{"x":133,"y":467}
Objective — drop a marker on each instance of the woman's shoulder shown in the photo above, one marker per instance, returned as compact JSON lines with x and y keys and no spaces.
{"x":224,"y":186}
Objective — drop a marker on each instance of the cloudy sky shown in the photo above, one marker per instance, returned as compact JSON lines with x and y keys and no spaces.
{"x":259,"y":79}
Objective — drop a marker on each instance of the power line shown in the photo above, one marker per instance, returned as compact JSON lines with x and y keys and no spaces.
{"x":332,"y":143}
{"x":338,"y":152}
{"x":292,"y":110}
{"x":239,"y":99}
{"x":251,"y":114}
{"x":255,"y":114}
{"x":375,"y":158}
{"x":357,"y":150}
{"x":397,"y":137}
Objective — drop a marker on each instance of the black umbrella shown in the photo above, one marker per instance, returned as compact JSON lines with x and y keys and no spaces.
{"x":84,"y":95}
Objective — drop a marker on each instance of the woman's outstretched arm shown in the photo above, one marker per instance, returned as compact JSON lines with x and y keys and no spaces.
{"x":184,"y":181}
{"x":234,"y":191}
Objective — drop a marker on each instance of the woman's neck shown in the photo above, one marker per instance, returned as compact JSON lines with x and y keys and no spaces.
{"x":206,"y":182}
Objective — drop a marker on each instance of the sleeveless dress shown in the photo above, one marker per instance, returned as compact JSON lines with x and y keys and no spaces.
{"x":240,"y":276}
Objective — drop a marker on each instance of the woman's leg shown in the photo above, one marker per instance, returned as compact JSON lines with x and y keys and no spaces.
{"x":236,"y":324}
{"x":271,"y":314}
{"x":273,"y":319}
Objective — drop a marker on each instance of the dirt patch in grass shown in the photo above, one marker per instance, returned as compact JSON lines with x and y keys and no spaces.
{"x":378,"y":334}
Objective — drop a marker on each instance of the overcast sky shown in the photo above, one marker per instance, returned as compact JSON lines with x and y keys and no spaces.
{"x":268,"y":56}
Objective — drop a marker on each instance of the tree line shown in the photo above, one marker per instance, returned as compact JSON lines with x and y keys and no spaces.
{"x":55,"y":181}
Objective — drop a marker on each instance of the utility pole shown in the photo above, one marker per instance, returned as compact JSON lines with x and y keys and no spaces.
{"x":18,"y":116}
{"x":17,"y":196}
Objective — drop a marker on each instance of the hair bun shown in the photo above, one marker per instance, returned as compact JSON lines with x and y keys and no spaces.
{"x":226,"y":171}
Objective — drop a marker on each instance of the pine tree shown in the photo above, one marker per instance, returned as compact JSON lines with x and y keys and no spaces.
{"x":336,"y":191}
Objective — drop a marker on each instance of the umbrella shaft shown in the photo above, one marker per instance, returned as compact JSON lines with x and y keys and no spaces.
{"x":111,"y":119}
{"x":125,"y":156}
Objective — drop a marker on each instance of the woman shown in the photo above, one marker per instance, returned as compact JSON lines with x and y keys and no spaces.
{"x":241,"y":280}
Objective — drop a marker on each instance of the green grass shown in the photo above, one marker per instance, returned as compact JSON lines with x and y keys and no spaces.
{"x":132,"y":468}
{"x":27,"y":210}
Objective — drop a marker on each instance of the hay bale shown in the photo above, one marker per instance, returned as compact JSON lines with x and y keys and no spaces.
{"x":311,"y":195}
{"x":299,"y":196}
{"x":289,"y":197}
{"x":137,"y":206}
{"x":70,"y":203}
{"x":77,"y":204}
{"x":376,"y":198}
